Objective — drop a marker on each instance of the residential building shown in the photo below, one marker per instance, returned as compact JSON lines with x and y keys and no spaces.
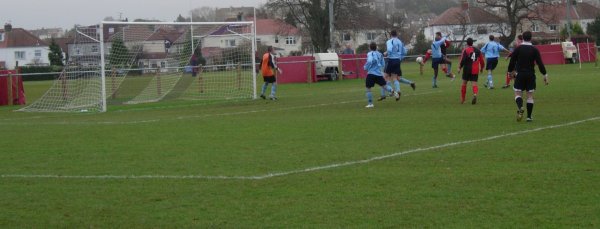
{"x":19,"y":46}
{"x":371,"y":29}
{"x":464,"y":21}
{"x":159,"y":49}
{"x":84,"y":49}
{"x":269,"y":32}
{"x":549,"y":19}
{"x":47,"y":33}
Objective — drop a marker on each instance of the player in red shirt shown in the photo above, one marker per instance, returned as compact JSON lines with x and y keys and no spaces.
{"x":473,"y":64}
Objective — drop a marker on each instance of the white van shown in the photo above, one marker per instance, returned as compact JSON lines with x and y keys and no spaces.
{"x":326,"y":65}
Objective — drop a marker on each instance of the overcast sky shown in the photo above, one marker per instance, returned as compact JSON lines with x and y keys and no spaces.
{"x":35,"y":14}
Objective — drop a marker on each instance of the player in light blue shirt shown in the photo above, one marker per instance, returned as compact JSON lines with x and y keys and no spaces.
{"x":396,"y":51}
{"x":374,"y":76}
{"x":491,"y":50}
{"x":436,"y":56}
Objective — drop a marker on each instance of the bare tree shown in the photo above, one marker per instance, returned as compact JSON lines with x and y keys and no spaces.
{"x":204,"y":13}
{"x":465,"y":28}
{"x":515,"y":13}
{"x":313,"y":16}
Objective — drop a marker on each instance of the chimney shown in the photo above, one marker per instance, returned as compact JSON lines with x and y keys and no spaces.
{"x":7,"y":27}
{"x":464,"y":4}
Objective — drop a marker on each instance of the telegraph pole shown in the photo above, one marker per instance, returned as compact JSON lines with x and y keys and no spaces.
{"x":331,"y":28}
{"x":569,"y":23}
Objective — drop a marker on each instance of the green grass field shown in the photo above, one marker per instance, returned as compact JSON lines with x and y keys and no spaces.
{"x":316,"y":158}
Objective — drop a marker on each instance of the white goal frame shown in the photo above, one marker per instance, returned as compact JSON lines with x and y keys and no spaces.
{"x":103,"y":53}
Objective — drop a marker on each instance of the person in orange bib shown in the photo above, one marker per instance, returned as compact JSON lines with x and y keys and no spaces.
{"x":268,"y":68}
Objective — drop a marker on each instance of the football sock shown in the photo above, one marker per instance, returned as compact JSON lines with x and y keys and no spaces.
{"x":475,"y":90}
{"x":529,"y":107}
{"x":490,"y":81}
{"x":388,"y":88}
{"x":449,"y":69}
{"x":463,"y":92}
{"x":507,"y":79}
{"x":397,"y":85}
{"x":273,"y":89}
{"x":369,"y":96}
{"x":383,"y":89}
{"x":264,"y":88}
{"x":519,"y":102}
{"x":434,"y":80}
{"x":405,"y":81}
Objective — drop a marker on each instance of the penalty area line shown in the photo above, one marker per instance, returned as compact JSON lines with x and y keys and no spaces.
{"x":291,"y":172}
{"x":192,"y":117}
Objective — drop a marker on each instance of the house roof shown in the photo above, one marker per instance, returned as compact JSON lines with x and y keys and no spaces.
{"x":275,"y":27}
{"x":61,"y":42}
{"x":18,"y":37}
{"x":170,"y":34}
{"x":554,"y":13}
{"x":137,"y":33}
{"x":459,"y":16}
{"x":263,"y":27}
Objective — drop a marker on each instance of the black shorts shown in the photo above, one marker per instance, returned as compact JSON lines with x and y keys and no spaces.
{"x":269,"y":79}
{"x":525,"y":82}
{"x":435,"y":62}
{"x":393,"y":67}
{"x":374,"y":79}
{"x":492,"y":63}
{"x":470,"y":77}
{"x":445,"y":59}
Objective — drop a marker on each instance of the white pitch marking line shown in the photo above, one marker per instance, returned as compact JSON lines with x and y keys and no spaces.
{"x":197,"y":116}
{"x":292,"y":172}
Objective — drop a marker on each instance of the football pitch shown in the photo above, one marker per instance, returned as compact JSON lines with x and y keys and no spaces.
{"x":316,"y":158}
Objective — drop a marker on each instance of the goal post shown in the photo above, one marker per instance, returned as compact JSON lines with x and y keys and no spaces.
{"x":119,"y":63}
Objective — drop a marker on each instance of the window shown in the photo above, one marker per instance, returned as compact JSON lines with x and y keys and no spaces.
{"x":290,"y":41}
{"x":458,"y":31}
{"x":552,"y":27}
{"x":229,"y":43}
{"x":94,"y":49}
{"x":38,"y":53}
{"x":163,"y":64}
{"x":20,"y":55}
{"x":371,"y":36}
{"x":1,"y":36}
{"x":535,"y":28}
{"x":482,"y":30}
{"x":258,"y":41}
{"x":346,"y":37}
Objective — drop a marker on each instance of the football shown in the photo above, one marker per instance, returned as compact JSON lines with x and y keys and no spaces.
{"x":419,"y":60}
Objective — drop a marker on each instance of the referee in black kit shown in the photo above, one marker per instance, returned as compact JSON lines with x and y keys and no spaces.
{"x":523,"y":60}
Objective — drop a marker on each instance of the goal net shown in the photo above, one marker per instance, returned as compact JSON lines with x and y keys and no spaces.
{"x":116,"y":63}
